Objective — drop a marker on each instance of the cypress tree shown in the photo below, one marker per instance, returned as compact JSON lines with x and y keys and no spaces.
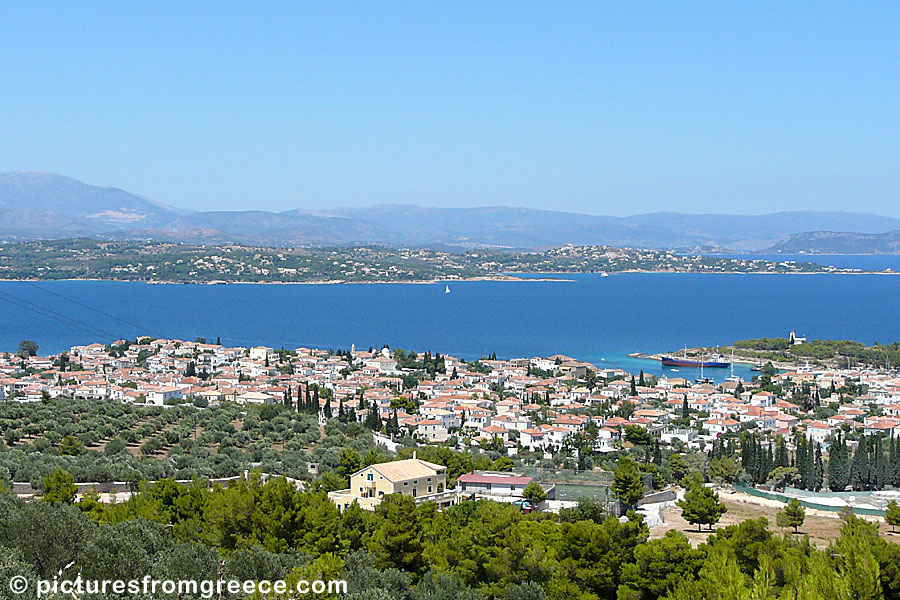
{"x":800,"y":460}
{"x":819,"y":476}
{"x":657,"y":453}
{"x":767,"y":469}
{"x":859,"y":467}
{"x":685,"y":409}
{"x":879,"y":465}
{"x":746,"y":452}
{"x":838,"y":466}
{"x":894,"y":462}
{"x":781,"y":453}
{"x":810,"y":458}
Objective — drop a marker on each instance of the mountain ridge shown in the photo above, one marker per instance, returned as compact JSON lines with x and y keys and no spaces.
{"x":45,"y":205}
{"x":838,"y":242}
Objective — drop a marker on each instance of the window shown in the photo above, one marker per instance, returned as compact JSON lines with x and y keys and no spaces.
{"x":405,"y":483}
{"x":370,"y":477}
{"x":415,"y":492}
{"x":429,"y":489}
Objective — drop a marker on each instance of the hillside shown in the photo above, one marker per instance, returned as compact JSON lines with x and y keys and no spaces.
{"x":47,"y":204}
{"x":834,"y":242}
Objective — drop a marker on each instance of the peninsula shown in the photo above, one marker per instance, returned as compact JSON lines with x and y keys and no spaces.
{"x":162,"y":262}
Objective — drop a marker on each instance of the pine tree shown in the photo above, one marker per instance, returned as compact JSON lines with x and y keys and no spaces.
{"x":892,"y":515}
{"x":701,"y":506}
{"x":795,"y":514}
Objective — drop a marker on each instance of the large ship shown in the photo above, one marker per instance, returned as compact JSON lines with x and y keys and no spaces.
{"x":716,"y":361}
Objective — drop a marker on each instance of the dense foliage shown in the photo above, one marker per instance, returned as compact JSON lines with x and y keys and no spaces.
{"x":473,"y":551}
{"x":843,"y":352}
{"x":102,"y":441}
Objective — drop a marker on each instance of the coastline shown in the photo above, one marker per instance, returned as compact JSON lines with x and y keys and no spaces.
{"x":525,"y":277}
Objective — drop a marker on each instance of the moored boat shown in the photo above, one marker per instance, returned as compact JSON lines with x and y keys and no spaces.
{"x":716,"y":361}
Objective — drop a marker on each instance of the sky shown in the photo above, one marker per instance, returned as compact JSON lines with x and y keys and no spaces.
{"x":599,"y":107}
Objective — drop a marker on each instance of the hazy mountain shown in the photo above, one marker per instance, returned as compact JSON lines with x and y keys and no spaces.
{"x":834,"y":242}
{"x":47,"y":205}
{"x":508,"y":227}
{"x":754,"y":232}
{"x":44,"y":204}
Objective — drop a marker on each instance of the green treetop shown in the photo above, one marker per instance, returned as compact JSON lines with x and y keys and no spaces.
{"x":794,"y":514}
{"x":627,"y":482}
{"x":701,"y":506}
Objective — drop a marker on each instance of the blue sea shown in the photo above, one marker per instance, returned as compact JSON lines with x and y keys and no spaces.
{"x":593,"y":318}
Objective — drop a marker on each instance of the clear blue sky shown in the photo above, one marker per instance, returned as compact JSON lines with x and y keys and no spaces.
{"x":607,"y":108}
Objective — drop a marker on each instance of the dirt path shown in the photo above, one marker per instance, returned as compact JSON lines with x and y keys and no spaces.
{"x":822,"y":527}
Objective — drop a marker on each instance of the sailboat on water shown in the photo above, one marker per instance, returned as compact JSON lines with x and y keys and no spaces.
{"x":733,"y":378}
{"x":447,"y":289}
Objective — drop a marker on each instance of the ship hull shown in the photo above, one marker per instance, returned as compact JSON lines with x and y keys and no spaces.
{"x":671,"y":361}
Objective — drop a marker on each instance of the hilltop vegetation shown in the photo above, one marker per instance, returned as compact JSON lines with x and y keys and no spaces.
{"x":474,"y":551}
{"x":101,"y":441}
{"x":153,"y":261}
{"x":838,"y":352}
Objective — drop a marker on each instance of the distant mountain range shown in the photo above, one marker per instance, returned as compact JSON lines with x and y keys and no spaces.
{"x":48,"y":205}
{"x":833,"y":242}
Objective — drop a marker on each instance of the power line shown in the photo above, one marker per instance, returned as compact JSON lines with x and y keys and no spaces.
{"x":73,"y":322}
{"x":87,"y":306}
{"x":49,"y":314}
